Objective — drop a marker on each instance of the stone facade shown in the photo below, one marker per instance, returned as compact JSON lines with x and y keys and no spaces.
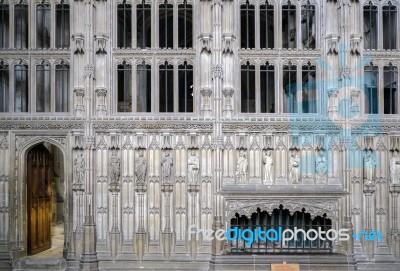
{"x":144,"y":178}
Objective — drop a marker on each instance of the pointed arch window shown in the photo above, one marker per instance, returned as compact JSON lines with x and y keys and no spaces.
{"x":21,"y":88}
{"x":62,"y":25}
{"x":266,"y":25}
{"x":166,"y":20}
{"x":4,"y":87}
{"x":62,"y":87}
{"x":143,"y":95}
{"x":124,"y":25}
{"x":289,"y":26}
{"x":308,"y":26}
{"x":308,"y":93}
{"x":267,"y":80}
{"x":248,"y":89}
{"x":43,"y":88}
{"x":143,"y":21}
{"x":124,"y":86}
{"x":290,"y":89}
{"x":390,"y":88}
{"x":166,"y":87}
{"x":389,"y":15}
{"x":21,"y":26}
{"x":4,"y":24}
{"x":185,"y":80}
{"x":43,"y":25}
{"x":185,"y":39}
{"x":247,"y":25}
{"x":370,"y":26}
{"x":371,"y":89}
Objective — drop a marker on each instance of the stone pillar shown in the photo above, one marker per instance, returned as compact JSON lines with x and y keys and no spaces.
{"x":114,"y":234}
{"x":394,"y":235}
{"x":369,"y":189}
{"x":167,"y":234}
{"x":141,"y":234}
{"x":78,"y":188}
{"x":193,"y":191}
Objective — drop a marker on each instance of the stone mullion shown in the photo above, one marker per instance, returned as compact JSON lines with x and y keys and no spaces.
{"x":53,"y":89}
{"x":134,"y":24}
{"x":53,"y":26}
{"x":175,"y":25}
{"x":11,"y":29}
{"x":175,"y":86}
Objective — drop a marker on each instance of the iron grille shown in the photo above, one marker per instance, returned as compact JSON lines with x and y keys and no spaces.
{"x":280,"y":218}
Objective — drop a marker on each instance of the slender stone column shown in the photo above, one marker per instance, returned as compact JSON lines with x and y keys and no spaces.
{"x":141,"y":234}
{"x":193,"y":191}
{"x":369,"y":189}
{"x":78,"y":188}
{"x":394,"y":234}
{"x":167,"y":234}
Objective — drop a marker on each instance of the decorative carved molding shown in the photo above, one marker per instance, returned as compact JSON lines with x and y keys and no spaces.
{"x":313,"y":207}
{"x":154,"y":210}
{"x":355,"y":211}
{"x":89,"y":71}
{"x":217,"y":71}
{"x":128,"y":210}
{"x":101,"y":43}
{"x":79,"y":40}
{"x":152,"y":126}
{"x":4,"y":178}
{"x":101,"y":179}
{"x":41,"y":125}
{"x":4,"y":141}
{"x":381,"y":211}
{"x":102,"y":210}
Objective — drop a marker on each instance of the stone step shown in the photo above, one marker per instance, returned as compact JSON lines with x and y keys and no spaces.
{"x":55,"y":264}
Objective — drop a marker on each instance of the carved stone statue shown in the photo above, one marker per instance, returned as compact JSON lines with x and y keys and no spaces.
{"x":241,"y":168}
{"x":395,"y":168}
{"x":115,"y":170}
{"x":369,"y":166}
{"x":294,"y":165}
{"x":321,"y":164}
{"x":166,"y":166}
{"x":268,"y":163}
{"x":79,"y":163}
{"x":193,"y":168}
{"x":140,"y":168}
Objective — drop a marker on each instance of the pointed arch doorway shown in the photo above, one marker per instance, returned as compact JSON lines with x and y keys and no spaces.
{"x":44,"y":197}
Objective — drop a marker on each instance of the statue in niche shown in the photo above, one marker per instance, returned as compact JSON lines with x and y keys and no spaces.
{"x":79,"y":163}
{"x":369,"y":166}
{"x":394,"y":168}
{"x":193,"y":168}
{"x":140,"y":168}
{"x":268,"y":163}
{"x":115,"y":171}
{"x":166,"y":166}
{"x":294,"y":164}
{"x":321,"y":164}
{"x":241,"y":168}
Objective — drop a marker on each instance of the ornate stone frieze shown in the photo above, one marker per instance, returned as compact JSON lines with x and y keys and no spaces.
{"x":152,"y":126}
{"x":313,"y":207}
{"x":16,"y":125}
{"x":180,"y":210}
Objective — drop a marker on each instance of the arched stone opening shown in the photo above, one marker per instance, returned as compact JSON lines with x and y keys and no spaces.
{"x":44,"y":190}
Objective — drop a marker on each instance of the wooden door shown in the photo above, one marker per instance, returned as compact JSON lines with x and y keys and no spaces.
{"x":39,"y":176}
